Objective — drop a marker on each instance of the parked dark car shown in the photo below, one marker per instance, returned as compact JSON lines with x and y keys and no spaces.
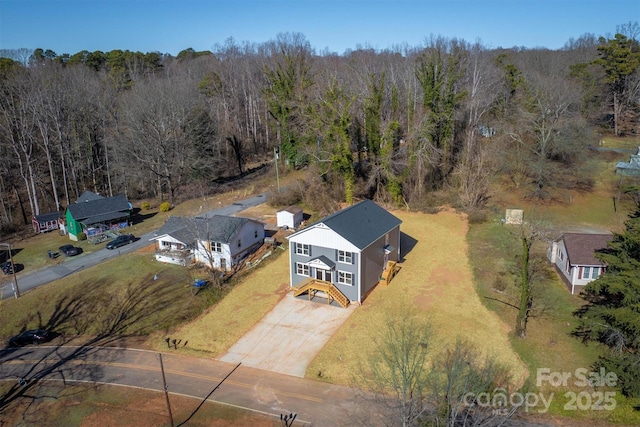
{"x":35,"y":336}
{"x":69,"y":250}
{"x":125,"y":239}
{"x":8,"y":267}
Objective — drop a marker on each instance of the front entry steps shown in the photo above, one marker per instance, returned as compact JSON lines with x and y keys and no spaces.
{"x":313,"y":286}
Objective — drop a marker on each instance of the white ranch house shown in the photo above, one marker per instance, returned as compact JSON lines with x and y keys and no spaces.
{"x":219,"y":242}
{"x":573,"y":255}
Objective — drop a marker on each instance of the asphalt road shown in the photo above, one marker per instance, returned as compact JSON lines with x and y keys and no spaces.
{"x":315,"y":403}
{"x":71,"y":265}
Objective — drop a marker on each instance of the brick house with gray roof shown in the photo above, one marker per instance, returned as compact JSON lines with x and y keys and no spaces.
{"x":348,"y":251}
{"x":573,"y":255}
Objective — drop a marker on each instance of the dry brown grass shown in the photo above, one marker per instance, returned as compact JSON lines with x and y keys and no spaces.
{"x":222,"y":325}
{"x":436,"y":279}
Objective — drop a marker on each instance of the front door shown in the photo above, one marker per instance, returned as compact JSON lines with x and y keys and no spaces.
{"x":322,"y":274}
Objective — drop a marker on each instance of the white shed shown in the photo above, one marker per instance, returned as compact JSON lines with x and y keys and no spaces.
{"x":290,"y":217}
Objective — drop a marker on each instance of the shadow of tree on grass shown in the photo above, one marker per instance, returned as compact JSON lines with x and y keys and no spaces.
{"x":87,"y":318}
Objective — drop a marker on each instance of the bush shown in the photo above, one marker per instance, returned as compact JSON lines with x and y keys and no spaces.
{"x":145,"y":206}
{"x":285,"y":197}
{"x":165,"y":207}
{"x":477,"y":217}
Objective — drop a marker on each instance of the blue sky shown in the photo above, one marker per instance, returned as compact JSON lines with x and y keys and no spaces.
{"x":167,"y":26}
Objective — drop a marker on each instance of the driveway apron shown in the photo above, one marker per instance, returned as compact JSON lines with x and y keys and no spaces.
{"x":288,"y":338}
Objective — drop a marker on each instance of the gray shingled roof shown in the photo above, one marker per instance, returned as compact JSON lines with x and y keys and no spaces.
{"x":362,"y":223}
{"x":218,"y":228}
{"x":88,"y":196}
{"x":293,"y":209}
{"x":96,"y":210}
{"x":51,"y":216}
{"x":581,"y":247}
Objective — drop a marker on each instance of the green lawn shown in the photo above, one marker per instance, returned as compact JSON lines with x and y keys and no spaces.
{"x":118,"y":297}
{"x":549,"y":343}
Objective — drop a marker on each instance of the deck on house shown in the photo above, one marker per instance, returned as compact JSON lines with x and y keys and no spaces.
{"x":389,"y":272}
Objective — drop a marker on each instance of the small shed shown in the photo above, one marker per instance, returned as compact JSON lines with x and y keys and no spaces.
{"x":46,"y":222}
{"x":290,"y":217}
{"x":514,"y":216}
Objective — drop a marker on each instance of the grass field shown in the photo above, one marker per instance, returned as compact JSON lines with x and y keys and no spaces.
{"x":128,"y":304}
{"x":220,"y":326}
{"x":449,"y":270}
{"x":437,"y":280}
{"x":99,"y":406}
{"x":549,"y":343}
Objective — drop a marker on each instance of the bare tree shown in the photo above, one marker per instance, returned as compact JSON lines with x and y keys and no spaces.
{"x":464,"y":381}
{"x":156,"y":140}
{"x":549,"y":134}
{"x":412,"y":389}
{"x":397,"y":375}
{"x":476,"y":169}
{"x":18,"y":131}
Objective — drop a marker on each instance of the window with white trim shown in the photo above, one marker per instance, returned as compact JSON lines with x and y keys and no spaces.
{"x":590,"y":272}
{"x":165,"y":244}
{"x":216,"y":247}
{"x":302,"y":249}
{"x":346,"y":257}
{"x":345,"y":278}
{"x":302,"y":269}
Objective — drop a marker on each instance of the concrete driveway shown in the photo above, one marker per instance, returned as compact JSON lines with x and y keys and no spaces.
{"x":289,"y":336}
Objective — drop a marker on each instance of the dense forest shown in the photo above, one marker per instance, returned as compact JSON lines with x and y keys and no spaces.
{"x":407,"y":126}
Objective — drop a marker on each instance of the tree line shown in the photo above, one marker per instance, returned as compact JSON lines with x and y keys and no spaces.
{"x":402,"y":126}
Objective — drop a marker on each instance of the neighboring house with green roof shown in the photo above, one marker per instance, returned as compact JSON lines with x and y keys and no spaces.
{"x":220,"y":242}
{"x":94,"y":211}
{"x":348,"y":251}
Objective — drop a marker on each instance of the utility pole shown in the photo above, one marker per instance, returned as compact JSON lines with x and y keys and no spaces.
{"x":16,"y":290}
{"x":276,"y":156}
{"x":166,"y":393}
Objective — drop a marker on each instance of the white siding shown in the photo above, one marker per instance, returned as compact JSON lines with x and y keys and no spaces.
{"x":247,"y":237}
{"x":320,"y":235}
{"x":251,"y":235}
{"x":170,"y":260}
{"x":208,"y":258}
{"x":175,"y":244}
{"x":557,"y":254}
{"x":289,"y":219}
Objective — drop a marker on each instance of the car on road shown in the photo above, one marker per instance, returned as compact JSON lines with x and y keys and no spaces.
{"x":7,"y":267}
{"x":34,"y":336}
{"x":69,"y":250}
{"x":125,"y":239}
